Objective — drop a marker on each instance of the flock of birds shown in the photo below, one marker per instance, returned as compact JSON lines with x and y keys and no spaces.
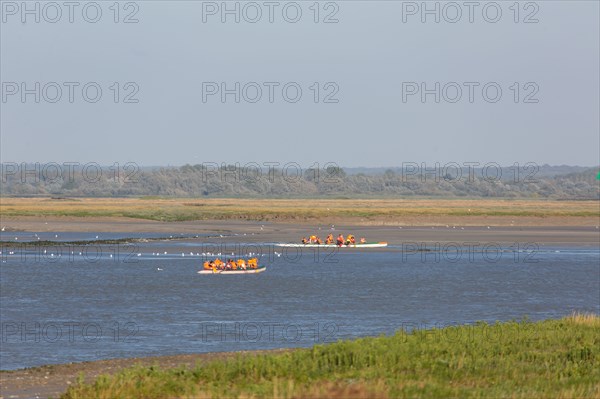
{"x":183,"y":254}
{"x":191,"y":254}
{"x":154,"y":254}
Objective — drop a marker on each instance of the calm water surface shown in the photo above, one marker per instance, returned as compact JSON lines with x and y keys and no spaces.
{"x":73,"y":308}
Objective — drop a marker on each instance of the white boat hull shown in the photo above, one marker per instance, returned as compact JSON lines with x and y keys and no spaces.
{"x":366,"y":245}
{"x":247,"y":271}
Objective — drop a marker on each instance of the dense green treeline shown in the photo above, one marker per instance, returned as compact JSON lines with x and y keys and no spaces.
{"x":255,"y":181}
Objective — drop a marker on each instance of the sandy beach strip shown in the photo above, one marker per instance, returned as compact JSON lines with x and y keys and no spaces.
{"x":556,"y":230}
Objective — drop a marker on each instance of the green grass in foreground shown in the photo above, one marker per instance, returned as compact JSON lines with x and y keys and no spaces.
{"x":553,"y":358}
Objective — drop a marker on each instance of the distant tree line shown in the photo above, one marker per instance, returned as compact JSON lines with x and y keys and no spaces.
{"x":255,"y":181}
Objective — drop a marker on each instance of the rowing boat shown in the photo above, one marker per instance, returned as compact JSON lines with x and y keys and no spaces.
{"x":357,"y":245}
{"x":238,"y":271}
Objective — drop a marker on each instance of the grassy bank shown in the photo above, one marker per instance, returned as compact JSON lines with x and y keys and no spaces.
{"x":290,"y":210}
{"x":553,"y":358}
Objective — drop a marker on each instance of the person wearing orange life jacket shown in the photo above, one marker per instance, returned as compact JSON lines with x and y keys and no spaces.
{"x":362,"y":240}
{"x":313,"y":239}
{"x":340,"y":240}
{"x":252,"y":263}
{"x":352,"y":240}
{"x":207,"y":265}
{"x":241,"y":264}
{"x":318,"y":241}
{"x":304,"y":240}
{"x":329,"y":239}
{"x":349,"y":239}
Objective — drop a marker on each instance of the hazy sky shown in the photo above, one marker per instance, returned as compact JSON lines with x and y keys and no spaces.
{"x":370,"y":69}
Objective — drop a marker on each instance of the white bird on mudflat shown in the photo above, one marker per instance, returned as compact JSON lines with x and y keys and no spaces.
{"x":3,"y":228}
{"x":159,"y":269}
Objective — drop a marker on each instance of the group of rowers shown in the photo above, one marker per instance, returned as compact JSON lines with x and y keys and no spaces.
{"x":231,"y":264}
{"x":339,"y":241}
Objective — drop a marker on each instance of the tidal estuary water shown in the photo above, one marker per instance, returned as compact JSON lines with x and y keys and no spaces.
{"x":70,"y":304}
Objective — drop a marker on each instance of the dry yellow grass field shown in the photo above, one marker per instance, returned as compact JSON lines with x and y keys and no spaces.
{"x":292,"y":210}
